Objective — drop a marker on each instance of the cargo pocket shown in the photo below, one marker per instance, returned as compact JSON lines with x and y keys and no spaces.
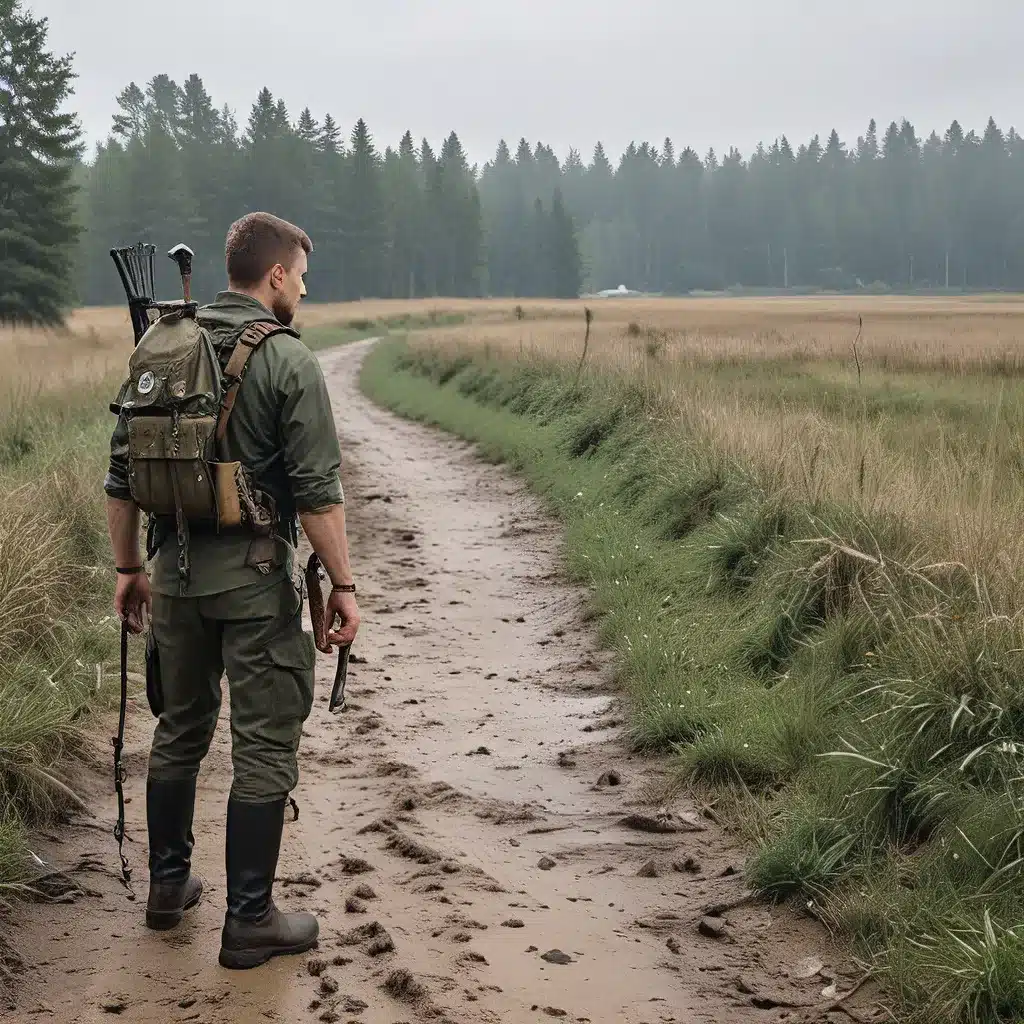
{"x":295,"y":653}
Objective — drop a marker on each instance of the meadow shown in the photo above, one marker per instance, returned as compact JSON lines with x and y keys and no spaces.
{"x":799,"y":522}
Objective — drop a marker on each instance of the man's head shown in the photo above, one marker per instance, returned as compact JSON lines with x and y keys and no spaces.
{"x":266,"y":258}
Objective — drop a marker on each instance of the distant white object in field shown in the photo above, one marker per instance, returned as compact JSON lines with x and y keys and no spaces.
{"x":609,"y":293}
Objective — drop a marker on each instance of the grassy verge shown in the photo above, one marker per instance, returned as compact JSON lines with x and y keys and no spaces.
{"x":806,"y":661}
{"x":58,"y":642}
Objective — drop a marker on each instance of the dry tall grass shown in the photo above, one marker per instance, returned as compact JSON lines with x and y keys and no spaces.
{"x":56,"y":634}
{"x":925,"y":417}
{"x":920,"y":414}
{"x":96,"y":343}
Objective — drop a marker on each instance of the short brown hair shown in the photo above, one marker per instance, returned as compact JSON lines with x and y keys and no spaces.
{"x":256,"y":242}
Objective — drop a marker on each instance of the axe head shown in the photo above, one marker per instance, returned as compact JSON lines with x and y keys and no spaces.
{"x":182,"y":255}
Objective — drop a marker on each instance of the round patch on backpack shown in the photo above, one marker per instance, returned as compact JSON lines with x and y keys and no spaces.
{"x":178,"y":389}
{"x":146,"y":383}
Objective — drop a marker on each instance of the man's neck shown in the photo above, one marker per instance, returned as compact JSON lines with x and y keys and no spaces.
{"x":253,"y":293}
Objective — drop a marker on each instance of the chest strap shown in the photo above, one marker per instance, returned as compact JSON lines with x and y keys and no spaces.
{"x":248,"y":341}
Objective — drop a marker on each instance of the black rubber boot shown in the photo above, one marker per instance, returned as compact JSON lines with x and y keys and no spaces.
{"x":173,"y":889}
{"x":254,"y":929}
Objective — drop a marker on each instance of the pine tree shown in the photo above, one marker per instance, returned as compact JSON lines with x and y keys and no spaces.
{"x":209,"y":174}
{"x":130,"y":123}
{"x":366,"y":227}
{"x":459,"y":221}
{"x":164,"y":100}
{"x":269,"y":168}
{"x":329,"y":140}
{"x":263,"y":123}
{"x":566,"y":265}
{"x":307,"y":129}
{"x":39,"y":146}
{"x":104,"y":220}
{"x":430,"y":176}
{"x":228,"y":125}
{"x":405,"y":220}
{"x":327,"y":211}
{"x":539,"y":274}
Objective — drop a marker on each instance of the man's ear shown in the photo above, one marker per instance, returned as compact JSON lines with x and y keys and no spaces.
{"x":277,"y":276}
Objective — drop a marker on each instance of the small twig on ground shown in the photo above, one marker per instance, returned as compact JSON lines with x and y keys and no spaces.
{"x":836,"y":1003}
{"x":709,"y":812}
{"x":723,"y":907}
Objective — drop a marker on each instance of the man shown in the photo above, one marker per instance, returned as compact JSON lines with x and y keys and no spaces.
{"x":239,"y":610}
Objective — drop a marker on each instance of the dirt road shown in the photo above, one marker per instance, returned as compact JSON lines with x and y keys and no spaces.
{"x":465,"y":829}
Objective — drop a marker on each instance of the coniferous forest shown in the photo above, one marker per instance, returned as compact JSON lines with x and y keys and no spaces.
{"x":412,"y":217}
{"x":890,"y":210}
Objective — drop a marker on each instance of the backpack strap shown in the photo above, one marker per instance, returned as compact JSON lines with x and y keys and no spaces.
{"x":248,"y":341}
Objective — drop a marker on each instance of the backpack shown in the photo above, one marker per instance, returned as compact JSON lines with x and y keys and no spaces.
{"x":176,"y":403}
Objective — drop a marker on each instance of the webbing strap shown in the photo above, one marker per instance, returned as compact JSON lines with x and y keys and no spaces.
{"x":248,"y":341}
{"x":119,"y":776}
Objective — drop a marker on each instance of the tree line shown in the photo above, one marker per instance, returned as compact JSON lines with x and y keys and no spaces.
{"x":404,"y":222}
{"x":894,"y":210}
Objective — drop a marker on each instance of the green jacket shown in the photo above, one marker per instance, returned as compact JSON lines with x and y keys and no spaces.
{"x":282,"y":429}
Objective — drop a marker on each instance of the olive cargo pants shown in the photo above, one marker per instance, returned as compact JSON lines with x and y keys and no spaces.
{"x":254,"y":633}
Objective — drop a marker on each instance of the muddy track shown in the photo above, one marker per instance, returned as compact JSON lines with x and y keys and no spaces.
{"x":479,"y":844}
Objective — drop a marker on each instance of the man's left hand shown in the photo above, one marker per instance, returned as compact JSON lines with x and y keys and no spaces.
{"x":133,"y":601}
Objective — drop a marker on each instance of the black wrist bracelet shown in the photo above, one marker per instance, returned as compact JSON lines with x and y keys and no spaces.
{"x":343,"y":588}
{"x":130,"y":570}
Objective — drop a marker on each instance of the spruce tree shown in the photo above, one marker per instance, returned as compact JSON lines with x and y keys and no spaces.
{"x":307,"y":129}
{"x":329,"y":140}
{"x":208,"y":183}
{"x":460,"y":227}
{"x":430,"y":176}
{"x":39,"y":146}
{"x":566,"y":264}
{"x":270,"y":158}
{"x":365,"y":227}
{"x":325,"y":210}
{"x":130,"y":123}
{"x":405,"y":223}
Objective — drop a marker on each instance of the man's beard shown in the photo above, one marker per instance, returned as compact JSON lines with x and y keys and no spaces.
{"x":284,"y":313}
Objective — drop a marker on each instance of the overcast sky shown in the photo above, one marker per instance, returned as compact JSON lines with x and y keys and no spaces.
{"x":566,"y":72}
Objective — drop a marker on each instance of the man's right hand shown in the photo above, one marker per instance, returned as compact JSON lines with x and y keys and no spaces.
{"x":341,"y":606}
